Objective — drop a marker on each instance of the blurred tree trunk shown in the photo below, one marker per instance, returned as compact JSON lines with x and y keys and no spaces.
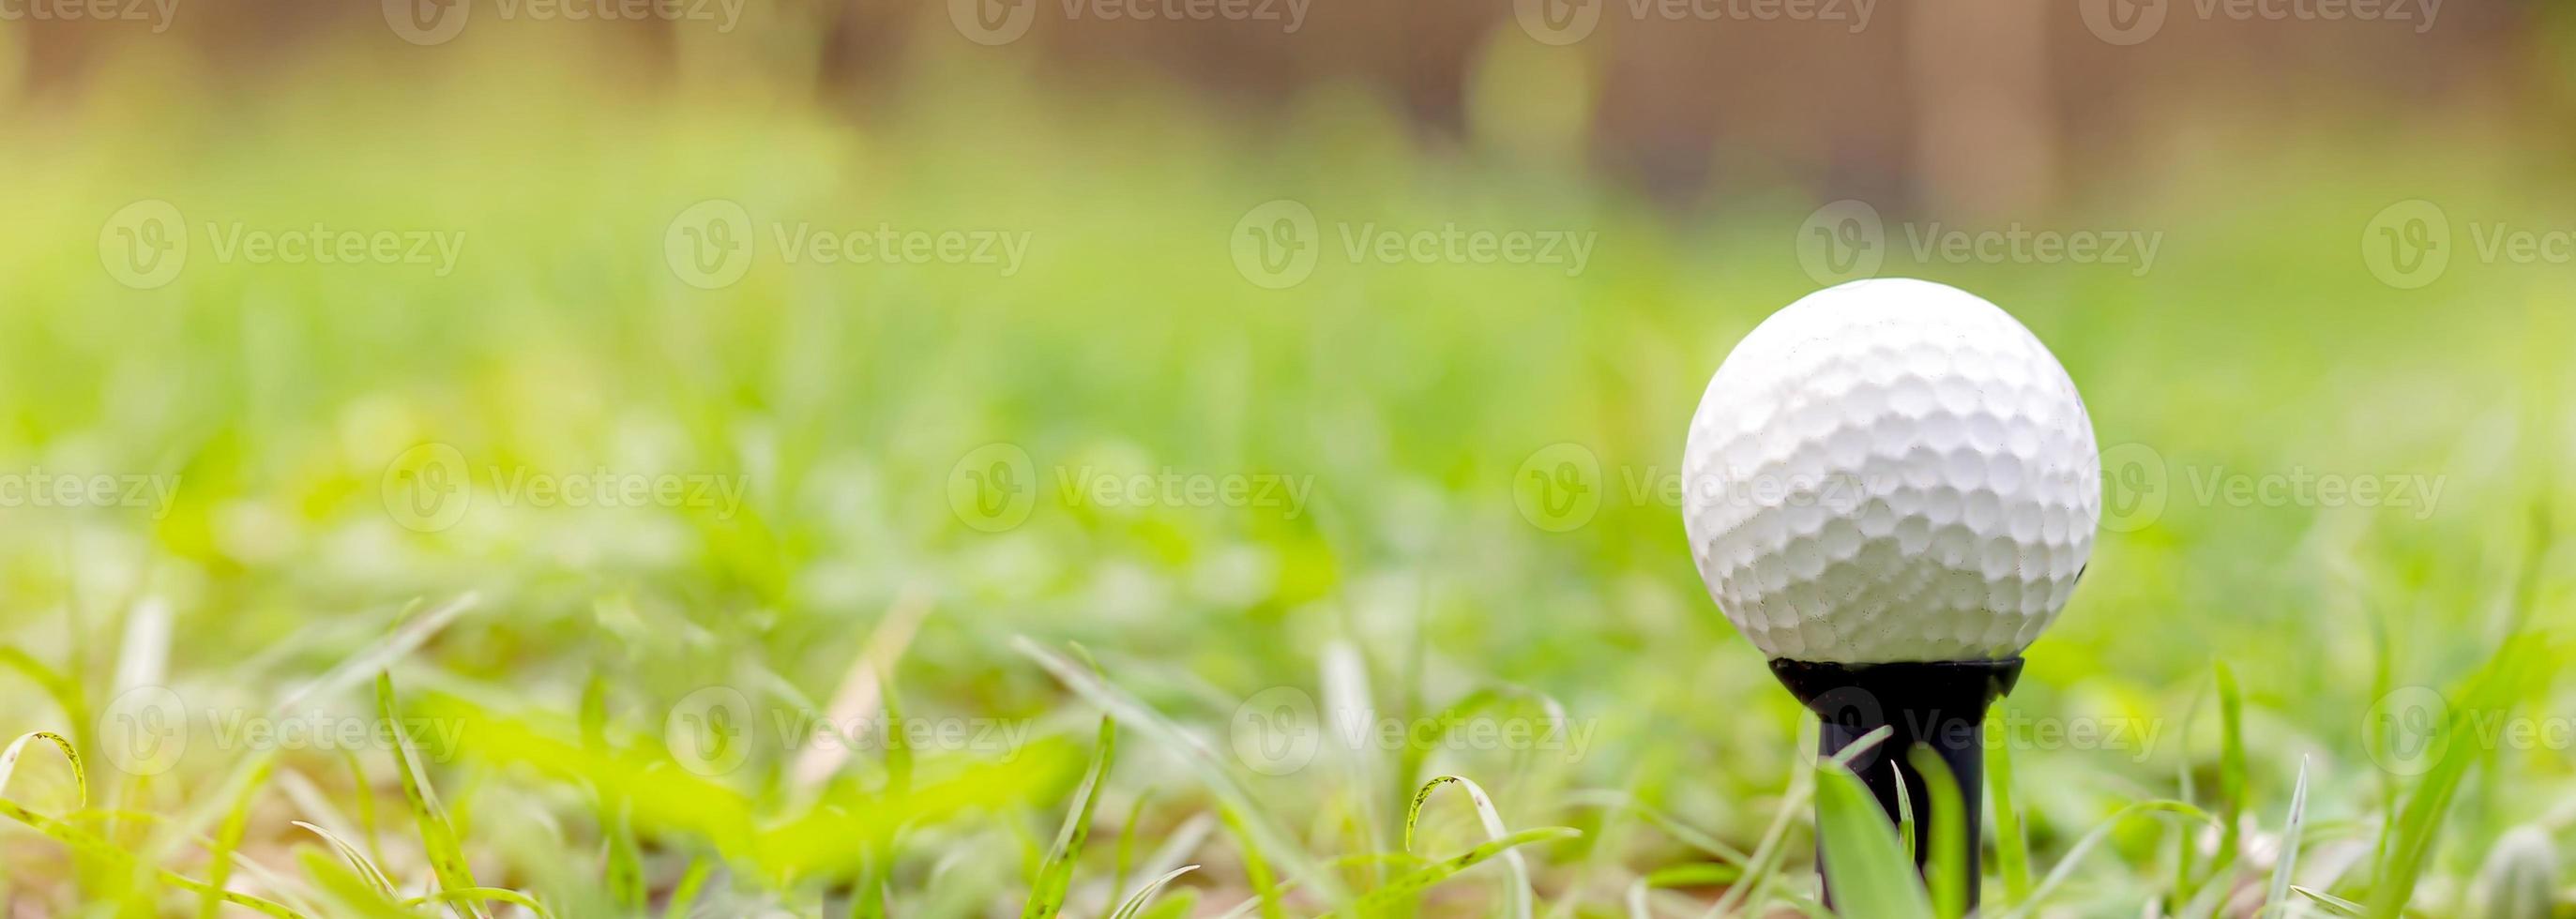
{"x":1985,"y":139}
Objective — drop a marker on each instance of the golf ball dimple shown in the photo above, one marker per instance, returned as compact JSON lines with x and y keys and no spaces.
{"x":1891,"y":470}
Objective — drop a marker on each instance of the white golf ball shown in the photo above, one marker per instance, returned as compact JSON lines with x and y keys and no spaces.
{"x":1891,"y":470}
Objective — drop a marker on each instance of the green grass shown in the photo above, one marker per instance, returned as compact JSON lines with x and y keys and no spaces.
{"x":556,"y":660}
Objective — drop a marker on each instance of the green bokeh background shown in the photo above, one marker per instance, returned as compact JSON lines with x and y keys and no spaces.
{"x":1410,"y":399}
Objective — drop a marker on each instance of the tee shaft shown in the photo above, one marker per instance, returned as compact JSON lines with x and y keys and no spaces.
{"x":1939,"y":704}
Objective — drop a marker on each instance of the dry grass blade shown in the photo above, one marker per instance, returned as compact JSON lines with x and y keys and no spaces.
{"x":861,"y":687}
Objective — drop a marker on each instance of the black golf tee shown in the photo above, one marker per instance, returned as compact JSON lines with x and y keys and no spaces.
{"x":1939,"y":704}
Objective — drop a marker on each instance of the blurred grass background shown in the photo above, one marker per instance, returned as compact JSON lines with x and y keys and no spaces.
{"x":280,"y":399}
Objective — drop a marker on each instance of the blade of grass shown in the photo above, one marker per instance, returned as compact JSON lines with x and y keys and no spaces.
{"x":2411,"y":837}
{"x":1211,"y":768}
{"x":2012,"y":849}
{"x":109,"y":853}
{"x":2186,"y":843}
{"x":899,"y":755}
{"x":2333,"y":904}
{"x":1870,"y":874}
{"x":625,"y":857}
{"x":1124,"y":858}
{"x":1137,"y":902}
{"x":2276,"y":902}
{"x":480,"y":895}
{"x":2100,"y":831}
{"x":1670,"y":825}
{"x":406,"y":637}
{"x":347,"y":891}
{"x":9,"y":763}
{"x":1947,"y":869}
{"x":1701,"y":874}
{"x":1256,"y":868}
{"x":1763,"y":867}
{"x":1348,"y":702}
{"x":358,"y":861}
{"x":1408,"y":885}
{"x":1519,"y":894}
{"x":228,"y":838}
{"x":1904,"y":810}
{"x":874,"y":887}
{"x":368,"y":827}
{"x":685,"y":894}
{"x":437,"y":836}
{"x":2231,"y":772}
{"x":1055,"y":876}
{"x":65,"y":691}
